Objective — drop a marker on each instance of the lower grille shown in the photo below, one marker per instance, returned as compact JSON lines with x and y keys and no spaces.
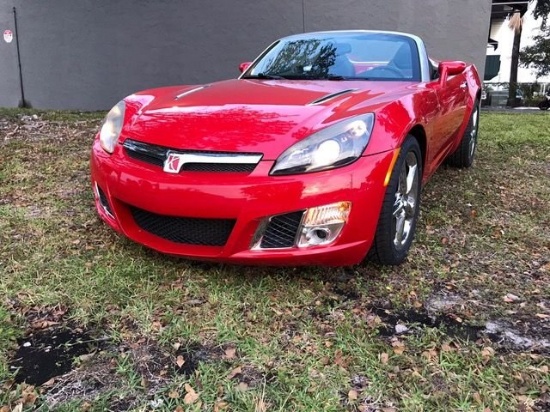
{"x":188,"y":230}
{"x":281,"y":231}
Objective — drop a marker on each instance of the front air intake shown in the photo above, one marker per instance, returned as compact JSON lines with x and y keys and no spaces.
{"x":281,"y":231}
{"x":186,"y":230}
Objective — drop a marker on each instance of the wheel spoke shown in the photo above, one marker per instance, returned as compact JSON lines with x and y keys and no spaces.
{"x":411,"y":178}
{"x":410,"y":207}
{"x":402,"y":188}
{"x":399,"y":229}
{"x":397,"y":207}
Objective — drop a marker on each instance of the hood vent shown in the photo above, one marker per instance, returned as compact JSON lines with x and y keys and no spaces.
{"x":188,"y":92}
{"x":330,"y":96}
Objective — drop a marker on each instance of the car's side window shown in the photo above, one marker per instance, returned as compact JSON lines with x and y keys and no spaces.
{"x":434,"y":72}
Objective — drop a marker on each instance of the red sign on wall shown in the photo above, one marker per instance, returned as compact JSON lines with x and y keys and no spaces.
{"x":8,"y":36}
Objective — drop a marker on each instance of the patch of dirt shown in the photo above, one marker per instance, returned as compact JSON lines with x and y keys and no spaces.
{"x":44,"y":354}
{"x":35,"y":127}
{"x":98,"y":376}
{"x":150,"y":362}
{"x":39,"y":317}
{"x":194,"y":353}
{"x":252,"y":377}
{"x":443,"y":302}
{"x":522,"y":337}
{"x":94,"y":378}
{"x":411,"y":320}
{"x":70,"y":363}
{"x":356,"y":398}
{"x":347,"y":291}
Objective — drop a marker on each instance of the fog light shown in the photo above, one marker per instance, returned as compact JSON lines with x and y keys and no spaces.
{"x":322,"y":225}
{"x":317,"y":235}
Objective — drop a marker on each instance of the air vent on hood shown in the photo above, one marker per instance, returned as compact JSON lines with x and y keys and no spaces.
{"x":330,"y":96}
{"x":187,"y":92}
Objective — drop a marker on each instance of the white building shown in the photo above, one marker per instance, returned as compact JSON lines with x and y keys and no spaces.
{"x":505,"y":38}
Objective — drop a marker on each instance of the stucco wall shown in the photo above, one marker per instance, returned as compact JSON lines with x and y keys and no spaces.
{"x":9,"y":78}
{"x":87,"y":54}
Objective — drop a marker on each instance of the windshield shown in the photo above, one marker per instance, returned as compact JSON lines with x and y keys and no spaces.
{"x":340,"y":56}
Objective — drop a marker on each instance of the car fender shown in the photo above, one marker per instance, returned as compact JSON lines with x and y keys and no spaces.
{"x":395,"y":121}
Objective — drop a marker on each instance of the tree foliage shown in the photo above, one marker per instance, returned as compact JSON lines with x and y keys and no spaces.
{"x":542,"y":10}
{"x":537,"y":56}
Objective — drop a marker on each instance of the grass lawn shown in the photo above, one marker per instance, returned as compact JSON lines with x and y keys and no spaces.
{"x":94,"y":322}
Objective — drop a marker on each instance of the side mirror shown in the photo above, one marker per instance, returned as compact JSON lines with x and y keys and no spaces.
{"x":244,"y":66}
{"x":450,"y":68}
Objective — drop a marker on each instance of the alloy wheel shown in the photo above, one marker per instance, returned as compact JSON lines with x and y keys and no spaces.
{"x":406,"y":201}
{"x":473,"y":132}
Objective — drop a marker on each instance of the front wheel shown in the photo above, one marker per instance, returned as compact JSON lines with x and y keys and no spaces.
{"x":399,"y":214}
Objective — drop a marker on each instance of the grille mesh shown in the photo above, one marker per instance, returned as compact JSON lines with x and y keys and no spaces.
{"x":192,"y":231}
{"x":145,"y":157}
{"x":218,"y":167}
{"x":281,"y":231}
{"x":145,"y":152}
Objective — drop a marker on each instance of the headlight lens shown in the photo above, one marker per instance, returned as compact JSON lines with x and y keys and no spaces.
{"x":112,"y":126}
{"x":335,"y":146}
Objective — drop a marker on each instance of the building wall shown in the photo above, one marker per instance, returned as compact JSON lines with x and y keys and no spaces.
{"x":88,"y":54}
{"x":9,"y":78}
{"x":505,"y":37}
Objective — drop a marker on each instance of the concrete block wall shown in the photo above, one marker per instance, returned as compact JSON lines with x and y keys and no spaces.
{"x":87,"y":54}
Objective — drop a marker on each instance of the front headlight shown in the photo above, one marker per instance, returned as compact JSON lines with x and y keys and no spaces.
{"x":112,"y":126}
{"x":335,"y":146}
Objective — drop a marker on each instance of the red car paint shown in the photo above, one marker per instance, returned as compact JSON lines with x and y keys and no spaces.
{"x":267,"y":117}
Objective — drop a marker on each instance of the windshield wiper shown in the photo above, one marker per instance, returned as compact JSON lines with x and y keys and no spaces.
{"x":337,"y":77}
{"x":265,"y":76}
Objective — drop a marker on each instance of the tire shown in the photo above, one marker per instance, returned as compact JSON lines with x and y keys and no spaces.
{"x":464,"y":155}
{"x":400,"y":208}
{"x":544,"y":105}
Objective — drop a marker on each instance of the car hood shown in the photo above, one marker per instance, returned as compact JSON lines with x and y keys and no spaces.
{"x":253,"y":116}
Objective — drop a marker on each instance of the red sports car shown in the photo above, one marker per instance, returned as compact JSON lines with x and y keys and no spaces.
{"x":315,"y":155}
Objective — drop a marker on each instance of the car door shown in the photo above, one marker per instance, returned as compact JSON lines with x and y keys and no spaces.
{"x":452,"y":98}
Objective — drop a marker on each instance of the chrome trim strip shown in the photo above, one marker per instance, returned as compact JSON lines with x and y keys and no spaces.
{"x":216,"y":158}
{"x":105,"y":209}
{"x":259,"y":234}
{"x":175,"y":160}
{"x":196,"y":89}
{"x":330,"y":96}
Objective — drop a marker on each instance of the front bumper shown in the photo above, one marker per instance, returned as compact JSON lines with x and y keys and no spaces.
{"x":247,"y":200}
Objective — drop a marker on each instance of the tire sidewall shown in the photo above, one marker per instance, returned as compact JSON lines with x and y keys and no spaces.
{"x":409,"y":145}
{"x":468,"y":134}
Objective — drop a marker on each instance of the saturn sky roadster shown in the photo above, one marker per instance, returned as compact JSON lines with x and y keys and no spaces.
{"x":315,"y":155}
